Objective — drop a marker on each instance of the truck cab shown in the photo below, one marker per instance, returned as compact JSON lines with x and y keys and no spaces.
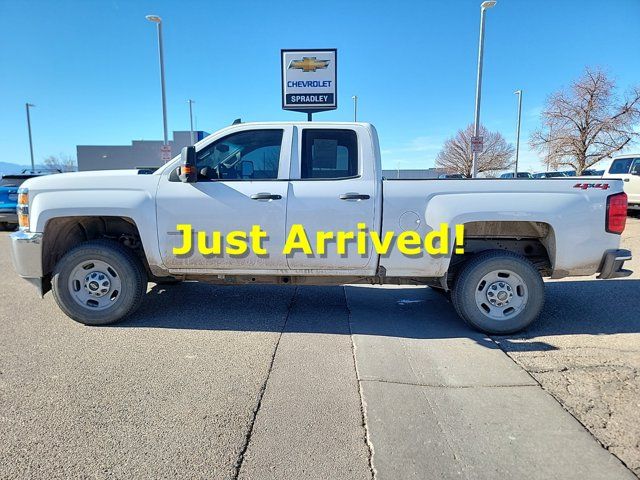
{"x":627,"y":168}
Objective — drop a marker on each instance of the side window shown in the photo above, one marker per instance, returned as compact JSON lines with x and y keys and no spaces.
{"x":621,"y":166}
{"x":329,"y":153}
{"x":635,"y":168}
{"x":248,"y":155}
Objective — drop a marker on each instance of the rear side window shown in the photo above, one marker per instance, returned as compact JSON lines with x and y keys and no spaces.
{"x":621,"y":166}
{"x":329,"y":153}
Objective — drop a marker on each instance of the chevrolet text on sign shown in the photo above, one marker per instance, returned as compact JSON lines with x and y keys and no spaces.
{"x":309,"y":80}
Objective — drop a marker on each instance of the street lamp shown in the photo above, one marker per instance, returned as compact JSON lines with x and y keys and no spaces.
{"x":158,"y":21}
{"x":476,"y":127}
{"x":27,"y":106}
{"x":355,"y":108}
{"x":519,"y":93}
{"x":191,"y":102}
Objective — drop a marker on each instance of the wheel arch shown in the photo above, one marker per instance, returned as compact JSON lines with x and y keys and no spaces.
{"x":63,"y":233}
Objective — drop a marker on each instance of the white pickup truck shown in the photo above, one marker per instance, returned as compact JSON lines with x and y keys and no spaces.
{"x":98,"y":238}
{"x":627,"y":169}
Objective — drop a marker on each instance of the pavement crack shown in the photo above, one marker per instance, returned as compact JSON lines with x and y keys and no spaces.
{"x":247,"y":439}
{"x":367,"y":436}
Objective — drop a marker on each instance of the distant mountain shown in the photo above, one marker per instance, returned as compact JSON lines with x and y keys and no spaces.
{"x":7,"y":168}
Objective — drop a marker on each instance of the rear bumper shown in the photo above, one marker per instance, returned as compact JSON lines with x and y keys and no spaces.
{"x":612,"y":263}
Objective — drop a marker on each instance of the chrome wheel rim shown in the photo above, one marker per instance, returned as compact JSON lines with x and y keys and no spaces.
{"x":95,"y":284}
{"x":501,"y":294}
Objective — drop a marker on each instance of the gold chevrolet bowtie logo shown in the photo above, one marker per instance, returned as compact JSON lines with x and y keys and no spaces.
{"x":309,"y":64}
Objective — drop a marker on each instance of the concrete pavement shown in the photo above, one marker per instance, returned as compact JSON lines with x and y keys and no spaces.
{"x":585,"y":351}
{"x":274,"y":382}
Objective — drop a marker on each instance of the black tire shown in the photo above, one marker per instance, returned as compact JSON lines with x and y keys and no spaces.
{"x":496,"y":268}
{"x":128,"y":270}
{"x":4,"y":226}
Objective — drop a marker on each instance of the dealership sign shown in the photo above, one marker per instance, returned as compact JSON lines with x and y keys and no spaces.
{"x":309,"y":80}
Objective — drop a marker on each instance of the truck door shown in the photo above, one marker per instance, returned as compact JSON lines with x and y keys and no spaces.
{"x":242,"y":181}
{"x":334,"y":186}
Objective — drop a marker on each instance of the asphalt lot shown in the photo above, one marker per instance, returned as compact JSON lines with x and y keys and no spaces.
{"x":332,"y":382}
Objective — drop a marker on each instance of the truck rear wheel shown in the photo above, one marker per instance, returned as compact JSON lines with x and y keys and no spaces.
{"x":99,"y":282}
{"x":498,"y":292}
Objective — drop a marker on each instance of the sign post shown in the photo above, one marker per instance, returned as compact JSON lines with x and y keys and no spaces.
{"x":309,"y":80}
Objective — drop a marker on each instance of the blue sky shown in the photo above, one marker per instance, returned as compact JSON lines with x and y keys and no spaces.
{"x":91,"y":67}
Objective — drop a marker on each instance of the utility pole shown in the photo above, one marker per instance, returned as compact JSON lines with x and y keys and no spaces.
{"x":519,"y":93}
{"x":476,"y":123}
{"x":27,"y":106}
{"x":158,"y":21}
{"x":355,"y":108}
{"x":191,"y":102}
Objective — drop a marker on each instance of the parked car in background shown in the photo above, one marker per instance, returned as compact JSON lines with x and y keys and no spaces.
{"x":550,"y":175}
{"x":627,"y":168}
{"x":592,"y":173}
{"x":9,"y":185}
{"x":451,"y":175}
{"x":513,"y":175}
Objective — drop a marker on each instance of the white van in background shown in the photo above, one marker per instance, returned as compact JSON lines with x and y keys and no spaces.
{"x":627,"y":167}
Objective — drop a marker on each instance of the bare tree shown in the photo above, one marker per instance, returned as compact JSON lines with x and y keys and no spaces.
{"x":587,"y":122}
{"x":64,"y":163}
{"x":456,"y":155}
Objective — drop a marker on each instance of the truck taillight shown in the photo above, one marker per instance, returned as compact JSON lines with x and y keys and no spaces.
{"x":616,"y":213}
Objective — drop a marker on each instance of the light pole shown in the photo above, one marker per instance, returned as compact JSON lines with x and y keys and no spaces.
{"x":355,"y":108}
{"x":191,"y":102}
{"x":158,"y":21}
{"x":476,"y":125}
{"x":27,"y":106}
{"x":519,"y":93}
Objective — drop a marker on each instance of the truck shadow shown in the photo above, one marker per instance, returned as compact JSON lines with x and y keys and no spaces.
{"x":572,"y":307}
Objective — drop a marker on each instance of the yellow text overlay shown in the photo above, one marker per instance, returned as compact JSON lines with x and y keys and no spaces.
{"x":239,"y":242}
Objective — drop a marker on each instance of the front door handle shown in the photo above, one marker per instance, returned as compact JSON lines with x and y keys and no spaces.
{"x":354,"y":196}
{"x":265,"y":196}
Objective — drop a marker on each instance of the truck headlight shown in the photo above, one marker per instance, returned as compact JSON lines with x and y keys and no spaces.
{"x":23,"y":208}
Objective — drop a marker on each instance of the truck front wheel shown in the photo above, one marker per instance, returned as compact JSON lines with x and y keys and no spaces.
{"x":498,"y":292}
{"x":99,"y":282}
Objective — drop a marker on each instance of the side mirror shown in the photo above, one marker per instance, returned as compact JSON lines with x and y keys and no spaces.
{"x":188,"y":170}
{"x":246,"y":169}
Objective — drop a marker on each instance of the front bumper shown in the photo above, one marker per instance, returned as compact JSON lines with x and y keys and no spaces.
{"x":612,"y":262}
{"x":26,"y":254}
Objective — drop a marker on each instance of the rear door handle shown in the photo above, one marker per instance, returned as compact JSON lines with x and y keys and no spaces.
{"x":265,"y":196}
{"x":354,"y":196}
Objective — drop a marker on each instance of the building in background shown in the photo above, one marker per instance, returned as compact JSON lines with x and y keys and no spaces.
{"x":141,"y":153}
